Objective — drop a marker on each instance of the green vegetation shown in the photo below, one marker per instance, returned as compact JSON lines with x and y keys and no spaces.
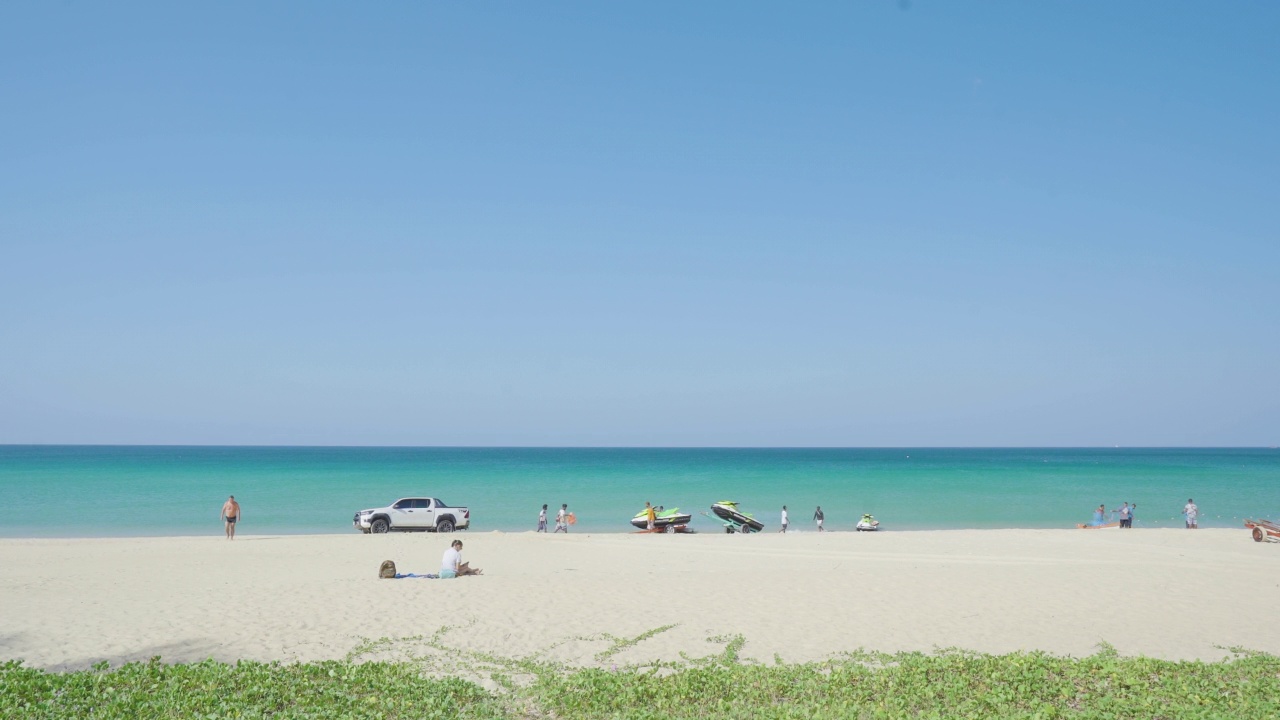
{"x":436,"y":681}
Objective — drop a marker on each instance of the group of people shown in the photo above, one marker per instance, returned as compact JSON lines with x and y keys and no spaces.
{"x":1126,"y":513}
{"x":564,"y":519}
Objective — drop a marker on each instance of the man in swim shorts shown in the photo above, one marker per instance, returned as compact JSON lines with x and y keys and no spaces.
{"x":819,"y":517}
{"x":1193,"y":514}
{"x":231,"y":515}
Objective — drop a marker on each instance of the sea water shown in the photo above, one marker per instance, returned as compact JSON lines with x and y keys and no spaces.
{"x":69,"y":491}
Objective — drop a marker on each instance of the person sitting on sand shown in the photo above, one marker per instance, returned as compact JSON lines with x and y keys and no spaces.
{"x":451,"y":565}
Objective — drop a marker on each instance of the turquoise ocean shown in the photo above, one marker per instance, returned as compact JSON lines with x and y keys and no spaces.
{"x":76,"y":491}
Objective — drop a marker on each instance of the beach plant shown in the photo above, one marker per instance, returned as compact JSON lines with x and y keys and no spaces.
{"x":321,"y":690}
{"x":618,"y":644}
{"x":947,"y":683}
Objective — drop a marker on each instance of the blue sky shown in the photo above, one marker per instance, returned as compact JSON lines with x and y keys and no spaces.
{"x":833,"y":224}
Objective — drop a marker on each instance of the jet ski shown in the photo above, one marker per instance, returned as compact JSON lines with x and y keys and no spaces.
{"x":867,"y":524}
{"x":662,"y":519}
{"x":727,"y":510}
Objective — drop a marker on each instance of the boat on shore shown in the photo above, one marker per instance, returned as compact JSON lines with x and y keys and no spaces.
{"x":867,"y":524}
{"x":662,"y":519}
{"x":727,"y":510}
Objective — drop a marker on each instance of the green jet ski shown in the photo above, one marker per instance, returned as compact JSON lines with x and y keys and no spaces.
{"x":662,"y":519}
{"x":727,"y":510}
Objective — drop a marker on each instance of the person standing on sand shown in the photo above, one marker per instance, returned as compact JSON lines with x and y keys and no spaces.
{"x":542,"y":519}
{"x":562,"y":519}
{"x":230,"y":516}
{"x":1133,"y":511}
{"x":650,"y":517}
{"x":819,"y":517}
{"x":1099,"y":514}
{"x":1124,"y":515}
{"x":1192,"y":512}
{"x":784,"y":519}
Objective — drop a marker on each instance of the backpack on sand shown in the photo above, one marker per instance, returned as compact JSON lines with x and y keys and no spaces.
{"x":387,"y":571}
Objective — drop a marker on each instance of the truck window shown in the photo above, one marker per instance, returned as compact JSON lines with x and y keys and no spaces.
{"x":438,"y":502}
{"x":403,"y":504}
{"x":422,"y":504}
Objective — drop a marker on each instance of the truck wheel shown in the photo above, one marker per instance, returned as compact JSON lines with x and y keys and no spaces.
{"x":379,"y":526}
{"x":445,"y":525}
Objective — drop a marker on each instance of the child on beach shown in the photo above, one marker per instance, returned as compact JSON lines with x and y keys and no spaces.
{"x":542,"y":519}
{"x":1192,"y":512}
{"x":562,"y":519}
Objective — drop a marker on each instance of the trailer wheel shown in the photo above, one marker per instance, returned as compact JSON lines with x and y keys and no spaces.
{"x":1259,"y":534}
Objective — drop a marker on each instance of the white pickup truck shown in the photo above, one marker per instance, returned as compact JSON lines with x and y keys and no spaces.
{"x":421,"y":513}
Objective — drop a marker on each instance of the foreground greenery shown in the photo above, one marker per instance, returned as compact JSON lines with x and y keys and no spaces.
{"x":947,"y":684}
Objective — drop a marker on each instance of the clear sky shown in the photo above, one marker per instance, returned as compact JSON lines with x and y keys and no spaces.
{"x":647,"y":223}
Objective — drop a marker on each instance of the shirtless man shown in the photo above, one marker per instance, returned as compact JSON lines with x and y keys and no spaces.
{"x":230,"y":515}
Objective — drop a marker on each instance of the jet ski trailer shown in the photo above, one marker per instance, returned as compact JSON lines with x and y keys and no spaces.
{"x":734,"y":519}
{"x":1263,"y":530}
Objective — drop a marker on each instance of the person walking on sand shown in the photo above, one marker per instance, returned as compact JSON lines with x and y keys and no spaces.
{"x":819,"y":517}
{"x":650,"y":517}
{"x":542,"y":519}
{"x":784,"y":519}
{"x":1192,"y":512}
{"x":562,"y":519}
{"x":230,"y":516}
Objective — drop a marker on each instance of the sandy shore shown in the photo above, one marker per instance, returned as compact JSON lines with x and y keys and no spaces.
{"x":802,"y":596}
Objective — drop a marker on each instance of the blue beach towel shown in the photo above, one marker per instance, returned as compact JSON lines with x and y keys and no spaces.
{"x":428,"y":576}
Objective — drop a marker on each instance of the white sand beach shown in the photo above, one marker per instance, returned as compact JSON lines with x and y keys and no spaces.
{"x":802,"y":596}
